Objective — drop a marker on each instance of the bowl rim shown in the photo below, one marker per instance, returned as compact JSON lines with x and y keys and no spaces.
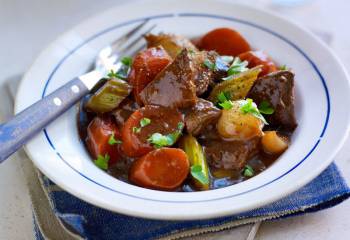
{"x":192,"y":15}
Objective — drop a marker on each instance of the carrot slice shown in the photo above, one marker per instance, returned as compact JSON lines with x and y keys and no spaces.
{"x":225,"y":41}
{"x":163,"y":169}
{"x":161,"y":120}
{"x":99,"y":133}
{"x":132,"y":146}
{"x":255,"y":58}
{"x":146,"y":65}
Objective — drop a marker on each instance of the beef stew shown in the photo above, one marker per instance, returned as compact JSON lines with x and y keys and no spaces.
{"x":190,"y":116}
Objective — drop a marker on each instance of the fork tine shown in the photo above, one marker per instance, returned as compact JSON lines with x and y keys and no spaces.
{"x":135,"y":41}
{"x":121,"y":40}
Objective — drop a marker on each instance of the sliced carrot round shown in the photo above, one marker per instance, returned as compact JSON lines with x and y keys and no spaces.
{"x":135,"y":136}
{"x":99,"y":132}
{"x":225,"y":41}
{"x":163,"y":169}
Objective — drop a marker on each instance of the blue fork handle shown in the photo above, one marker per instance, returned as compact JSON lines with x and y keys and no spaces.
{"x":22,"y":127}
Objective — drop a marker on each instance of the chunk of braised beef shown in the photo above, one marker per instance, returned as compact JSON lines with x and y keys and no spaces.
{"x":203,"y":76}
{"x":223,"y":154}
{"x":277,"y":89}
{"x":123,"y":112}
{"x":174,"y":44}
{"x":201,"y":115}
{"x":174,"y":86}
{"x":231,"y":155}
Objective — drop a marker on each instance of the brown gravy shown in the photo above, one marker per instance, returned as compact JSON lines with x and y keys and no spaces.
{"x":218,"y":178}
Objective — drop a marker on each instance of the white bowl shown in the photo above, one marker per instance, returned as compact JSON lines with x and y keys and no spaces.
{"x":322,"y":94}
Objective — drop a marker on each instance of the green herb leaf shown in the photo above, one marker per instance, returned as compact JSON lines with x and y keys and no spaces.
{"x":224,"y":101}
{"x":136,"y":129}
{"x":144,"y":122}
{"x":180,"y":126}
{"x":227,"y":59}
{"x":102,"y":161}
{"x":236,"y":67}
{"x":248,"y":106}
{"x":283,"y":67}
{"x":221,"y":64}
{"x":197,"y":173}
{"x":226,"y":105}
{"x":112,"y":74}
{"x":248,"y":171}
{"x":223,"y":96}
{"x":159,"y":140}
{"x":123,"y":71}
{"x":112,"y":140}
{"x":209,"y":64}
{"x":127,"y":61}
{"x":266,"y":108}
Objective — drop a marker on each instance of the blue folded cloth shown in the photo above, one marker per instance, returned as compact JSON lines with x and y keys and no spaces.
{"x":91,"y":222}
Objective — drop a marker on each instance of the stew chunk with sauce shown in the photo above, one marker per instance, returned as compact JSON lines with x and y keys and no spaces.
{"x":190,"y":115}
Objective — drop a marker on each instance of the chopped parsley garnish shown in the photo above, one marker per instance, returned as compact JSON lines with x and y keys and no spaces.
{"x":102,"y":161}
{"x":226,"y":105}
{"x":180,"y":126}
{"x":136,"y":129}
{"x":266,"y":108}
{"x":113,"y":141}
{"x":209,"y":64}
{"x":221,"y":63}
{"x":236,"y":67}
{"x":112,"y":74}
{"x":227,"y":59}
{"x":223,"y":101}
{"x":159,"y":140}
{"x":144,"y":122}
{"x":197,"y":173}
{"x":248,"y":106}
{"x":127,"y":61}
{"x":283,"y":67}
{"x":223,"y":96}
{"x":248,"y":171}
{"x":124,"y":69}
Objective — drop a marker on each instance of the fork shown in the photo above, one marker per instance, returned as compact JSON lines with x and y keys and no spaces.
{"x":26,"y":124}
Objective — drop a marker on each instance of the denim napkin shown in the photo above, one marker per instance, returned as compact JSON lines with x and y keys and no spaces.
{"x":90,"y":222}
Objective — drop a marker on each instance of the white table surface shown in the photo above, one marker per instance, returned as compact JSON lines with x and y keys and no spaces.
{"x":27,"y":26}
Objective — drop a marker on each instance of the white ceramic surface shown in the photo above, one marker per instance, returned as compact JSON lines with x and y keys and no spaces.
{"x":322,"y":89}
